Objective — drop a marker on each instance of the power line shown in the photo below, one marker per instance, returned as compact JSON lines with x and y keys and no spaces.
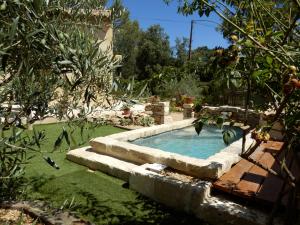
{"x":175,"y":21}
{"x":162,"y":20}
{"x":208,"y":21}
{"x":191,"y":33}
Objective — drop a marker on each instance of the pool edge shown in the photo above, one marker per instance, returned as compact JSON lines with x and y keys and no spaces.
{"x":117,"y":145}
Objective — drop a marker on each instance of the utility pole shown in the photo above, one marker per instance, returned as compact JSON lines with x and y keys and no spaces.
{"x":191,"y":39}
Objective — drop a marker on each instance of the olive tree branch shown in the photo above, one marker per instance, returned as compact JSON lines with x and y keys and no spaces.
{"x":246,"y":34}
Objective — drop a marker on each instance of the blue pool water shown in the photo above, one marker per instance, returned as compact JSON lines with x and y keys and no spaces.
{"x":187,"y":142}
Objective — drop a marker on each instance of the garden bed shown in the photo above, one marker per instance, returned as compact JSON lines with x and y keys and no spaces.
{"x":170,"y":172}
{"x":16,"y":216}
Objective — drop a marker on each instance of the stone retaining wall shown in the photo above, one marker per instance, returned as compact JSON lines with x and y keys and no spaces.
{"x":237,"y":113}
{"x":169,"y":191}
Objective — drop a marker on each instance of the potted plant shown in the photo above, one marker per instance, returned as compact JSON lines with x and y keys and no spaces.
{"x":189,"y":100}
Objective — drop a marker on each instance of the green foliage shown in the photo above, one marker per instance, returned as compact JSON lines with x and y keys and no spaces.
{"x":228,"y":136}
{"x":125,"y":121}
{"x":174,"y":83}
{"x":14,"y":144}
{"x":43,"y":50}
{"x":198,"y":126}
{"x":145,"y":121}
{"x":126,"y":43}
{"x":51,"y":64}
{"x":154,"y":52}
{"x":181,"y":51}
{"x":228,"y":132}
{"x":198,"y":105}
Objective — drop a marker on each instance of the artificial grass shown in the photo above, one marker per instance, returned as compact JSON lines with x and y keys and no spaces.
{"x":94,"y":196}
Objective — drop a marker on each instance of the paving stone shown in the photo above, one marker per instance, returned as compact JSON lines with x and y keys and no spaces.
{"x":103,"y":163}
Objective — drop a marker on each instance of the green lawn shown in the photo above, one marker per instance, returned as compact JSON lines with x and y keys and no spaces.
{"x":95,"y":196}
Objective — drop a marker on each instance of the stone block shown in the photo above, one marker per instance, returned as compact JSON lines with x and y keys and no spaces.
{"x":161,"y":113}
{"x":169,"y":191}
{"x":216,"y":209}
{"x":188,"y":106}
{"x":106,"y":164}
{"x":140,"y":182}
{"x":150,"y":113}
{"x":164,"y":104}
{"x":163,"y":119}
{"x":225,"y":160}
{"x":148,"y":107}
{"x":188,"y":113}
{"x":168,"y":119}
{"x":153,"y":99}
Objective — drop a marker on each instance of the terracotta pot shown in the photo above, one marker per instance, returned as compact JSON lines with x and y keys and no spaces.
{"x":189,"y":100}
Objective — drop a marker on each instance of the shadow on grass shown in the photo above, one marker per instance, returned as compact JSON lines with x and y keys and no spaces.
{"x":37,"y":182}
{"x":141,"y":212}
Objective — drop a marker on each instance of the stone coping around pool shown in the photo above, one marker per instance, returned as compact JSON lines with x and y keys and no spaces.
{"x":118,"y":146}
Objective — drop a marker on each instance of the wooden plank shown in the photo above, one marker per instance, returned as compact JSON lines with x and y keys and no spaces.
{"x":272,"y":185}
{"x":257,"y":154}
{"x":231,"y":178}
{"x":273,"y":147}
{"x":246,"y":179}
{"x":250,"y":182}
{"x":270,"y":189}
{"x":267,"y":160}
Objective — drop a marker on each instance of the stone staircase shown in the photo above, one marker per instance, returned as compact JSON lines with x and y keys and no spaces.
{"x":106,"y":164}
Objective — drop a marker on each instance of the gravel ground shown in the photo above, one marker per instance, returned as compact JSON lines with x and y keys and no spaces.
{"x":179,"y":176}
{"x":16,"y":217}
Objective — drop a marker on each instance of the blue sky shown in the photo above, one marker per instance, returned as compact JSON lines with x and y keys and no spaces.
{"x":149,"y":12}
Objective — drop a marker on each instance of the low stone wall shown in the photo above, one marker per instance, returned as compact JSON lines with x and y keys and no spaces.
{"x":169,"y":191}
{"x":218,"y":210}
{"x":237,"y":113}
{"x":117,"y":145}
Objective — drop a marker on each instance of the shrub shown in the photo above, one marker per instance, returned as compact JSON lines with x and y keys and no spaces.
{"x":13,"y":158}
{"x":187,"y":85}
{"x":145,"y":121}
{"x":125,"y":121}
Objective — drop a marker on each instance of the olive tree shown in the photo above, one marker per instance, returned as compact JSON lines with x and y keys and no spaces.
{"x":51,"y":64}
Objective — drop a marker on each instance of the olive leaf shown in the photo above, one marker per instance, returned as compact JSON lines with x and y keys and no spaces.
{"x":220,"y":121}
{"x":198,"y":126}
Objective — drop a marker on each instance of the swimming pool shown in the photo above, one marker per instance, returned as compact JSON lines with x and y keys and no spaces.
{"x":186,"y":141}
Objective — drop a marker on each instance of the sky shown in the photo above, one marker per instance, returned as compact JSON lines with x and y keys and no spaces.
{"x":149,"y":12}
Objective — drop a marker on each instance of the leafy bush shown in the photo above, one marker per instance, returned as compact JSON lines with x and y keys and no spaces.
{"x":145,"y":121}
{"x":187,"y":85}
{"x":125,"y":121}
{"x":50,"y":65}
{"x":13,"y":158}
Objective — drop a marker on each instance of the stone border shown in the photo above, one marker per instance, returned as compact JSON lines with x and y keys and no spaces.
{"x":117,"y":146}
